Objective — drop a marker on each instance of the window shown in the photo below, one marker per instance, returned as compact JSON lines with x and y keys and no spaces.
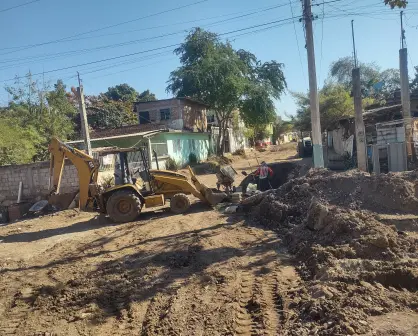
{"x":165,"y":114}
{"x":144,"y":117}
{"x":160,"y":148}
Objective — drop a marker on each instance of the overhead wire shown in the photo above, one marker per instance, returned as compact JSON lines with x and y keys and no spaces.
{"x":270,"y":25}
{"x":18,"y":6}
{"x":142,"y":29}
{"x":44,"y":57}
{"x":111,"y":26}
{"x":322,"y":39}
{"x":297,"y":41}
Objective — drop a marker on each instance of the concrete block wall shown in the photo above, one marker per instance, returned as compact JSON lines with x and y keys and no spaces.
{"x":35,"y":179}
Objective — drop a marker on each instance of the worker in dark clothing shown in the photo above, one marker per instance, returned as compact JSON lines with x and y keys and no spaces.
{"x":264,"y":172}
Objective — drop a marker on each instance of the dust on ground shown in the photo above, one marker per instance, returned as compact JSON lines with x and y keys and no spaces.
{"x":203,"y":273}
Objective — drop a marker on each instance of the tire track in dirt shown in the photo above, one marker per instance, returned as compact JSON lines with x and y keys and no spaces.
{"x":244,"y":323}
{"x":158,"y":310}
{"x":17,"y":313}
{"x":262,"y":304}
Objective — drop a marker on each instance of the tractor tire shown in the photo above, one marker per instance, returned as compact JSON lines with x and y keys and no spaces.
{"x":123,"y":206}
{"x":179,"y":203}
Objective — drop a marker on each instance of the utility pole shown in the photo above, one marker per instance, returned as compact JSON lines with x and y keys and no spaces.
{"x":358,"y":110}
{"x":405,"y":95}
{"x":83,"y":117}
{"x":318,"y":154}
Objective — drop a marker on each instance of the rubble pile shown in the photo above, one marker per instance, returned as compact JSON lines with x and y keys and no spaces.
{"x":354,"y":265}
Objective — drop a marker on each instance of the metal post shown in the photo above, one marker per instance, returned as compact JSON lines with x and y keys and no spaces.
{"x":318,"y":155}
{"x":359,"y":123}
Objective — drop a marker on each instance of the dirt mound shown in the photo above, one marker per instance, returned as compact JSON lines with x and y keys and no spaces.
{"x":354,"y":265}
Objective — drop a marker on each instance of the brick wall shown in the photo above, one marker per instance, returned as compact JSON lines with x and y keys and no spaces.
{"x":35,"y":179}
{"x":184,"y":114}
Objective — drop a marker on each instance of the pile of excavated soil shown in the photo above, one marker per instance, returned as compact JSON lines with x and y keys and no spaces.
{"x":354,"y":265}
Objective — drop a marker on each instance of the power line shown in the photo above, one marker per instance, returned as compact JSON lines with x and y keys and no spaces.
{"x":70,"y":53}
{"x":322,"y":39}
{"x":146,"y":28}
{"x":270,"y":24}
{"x":17,"y":6}
{"x":297,"y":41}
{"x":145,"y":51}
{"x":110,"y":26}
{"x":94,"y":62}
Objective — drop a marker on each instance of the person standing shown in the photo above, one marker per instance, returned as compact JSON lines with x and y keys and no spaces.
{"x":264,"y":172}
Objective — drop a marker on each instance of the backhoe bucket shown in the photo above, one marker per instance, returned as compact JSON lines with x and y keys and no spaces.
{"x":211,"y":196}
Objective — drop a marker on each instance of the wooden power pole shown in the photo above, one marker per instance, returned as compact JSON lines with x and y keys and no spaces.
{"x":405,"y":95}
{"x":318,"y":154}
{"x":358,"y":110}
{"x":83,"y":118}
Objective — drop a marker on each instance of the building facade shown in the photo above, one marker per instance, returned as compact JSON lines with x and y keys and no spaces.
{"x":175,"y":113}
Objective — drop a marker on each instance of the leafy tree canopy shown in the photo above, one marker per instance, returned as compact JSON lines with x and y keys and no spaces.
{"x":396,"y":3}
{"x":146,"y":96}
{"x":375,"y":83}
{"x":121,"y":92}
{"x":37,"y":115}
{"x":126,"y":93}
{"x":226,"y":79}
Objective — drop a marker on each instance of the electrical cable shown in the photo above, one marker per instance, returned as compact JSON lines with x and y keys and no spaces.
{"x":112,"y":26}
{"x":45,"y":57}
{"x":297,"y":41}
{"x":322,"y":39}
{"x":17,"y":6}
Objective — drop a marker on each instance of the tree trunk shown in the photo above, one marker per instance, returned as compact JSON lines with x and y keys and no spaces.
{"x":220,"y":120}
{"x":224,"y":135}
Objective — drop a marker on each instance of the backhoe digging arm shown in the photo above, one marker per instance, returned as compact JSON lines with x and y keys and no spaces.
{"x":87,"y":169}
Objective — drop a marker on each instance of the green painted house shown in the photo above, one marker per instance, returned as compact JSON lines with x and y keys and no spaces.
{"x":166,"y":143}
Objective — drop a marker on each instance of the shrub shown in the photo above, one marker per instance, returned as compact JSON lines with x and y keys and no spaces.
{"x":192,"y":158}
{"x":240,"y":152}
{"x":171,"y":164}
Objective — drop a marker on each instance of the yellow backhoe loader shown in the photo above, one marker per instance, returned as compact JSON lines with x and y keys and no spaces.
{"x":124,"y":201}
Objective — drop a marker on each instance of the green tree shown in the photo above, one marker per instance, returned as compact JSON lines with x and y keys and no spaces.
{"x":126,"y":93}
{"x":42,"y":111}
{"x":281,"y":126}
{"x":370,"y":77}
{"x":104,"y":113}
{"x":121,"y":92}
{"x":146,"y":96}
{"x":396,"y":3}
{"x":18,"y":145}
{"x":227,"y":80}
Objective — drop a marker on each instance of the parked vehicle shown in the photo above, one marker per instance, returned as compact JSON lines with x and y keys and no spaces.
{"x":305,"y":147}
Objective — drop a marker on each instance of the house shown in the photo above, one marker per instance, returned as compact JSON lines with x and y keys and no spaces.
{"x":174,"y":113}
{"x":175,"y":128}
{"x":384,"y":125}
{"x":154,"y":138}
{"x":236,"y":138}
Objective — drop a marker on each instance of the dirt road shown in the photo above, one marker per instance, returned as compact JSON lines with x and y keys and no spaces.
{"x":196,"y":274}
{"x":201,"y":273}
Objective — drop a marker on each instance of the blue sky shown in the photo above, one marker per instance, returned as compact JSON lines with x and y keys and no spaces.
{"x":80,"y":29}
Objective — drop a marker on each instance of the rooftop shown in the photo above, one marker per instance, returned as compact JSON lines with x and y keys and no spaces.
{"x":178,"y":98}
